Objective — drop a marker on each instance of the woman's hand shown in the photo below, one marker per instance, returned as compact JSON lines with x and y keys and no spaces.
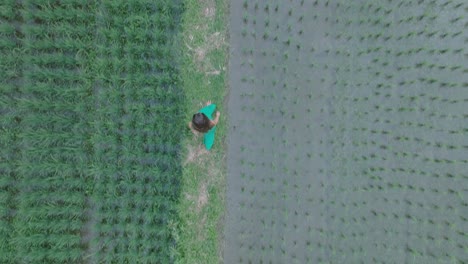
{"x":208,"y":103}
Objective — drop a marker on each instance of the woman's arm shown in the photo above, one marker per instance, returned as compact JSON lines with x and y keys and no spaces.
{"x":216,"y":120}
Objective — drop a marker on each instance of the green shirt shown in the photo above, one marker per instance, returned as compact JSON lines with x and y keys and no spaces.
{"x":208,"y":138}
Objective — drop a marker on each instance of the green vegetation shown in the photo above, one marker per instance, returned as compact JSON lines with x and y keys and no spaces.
{"x":94,"y":167}
{"x":137,"y":149}
{"x":90,"y":159}
{"x":45,"y":98}
{"x":201,"y":207}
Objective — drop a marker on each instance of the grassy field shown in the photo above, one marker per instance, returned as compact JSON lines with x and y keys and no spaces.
{"x":203,"y":73}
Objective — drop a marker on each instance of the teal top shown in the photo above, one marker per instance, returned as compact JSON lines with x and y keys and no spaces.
{"x":208,"y":138}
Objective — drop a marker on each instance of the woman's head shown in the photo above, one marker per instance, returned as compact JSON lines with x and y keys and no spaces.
{"x":201,"y":122}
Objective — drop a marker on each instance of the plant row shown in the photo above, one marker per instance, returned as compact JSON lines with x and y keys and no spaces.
{"x":137,"y":182}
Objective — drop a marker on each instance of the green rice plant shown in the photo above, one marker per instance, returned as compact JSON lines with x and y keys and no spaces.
{"x":7,"y":30}
{"x":7,"y":10}
{"x":7,"y":43}
{"x":71,"y":98}
{"x":245,"y":19}
{"x":267,"y":8}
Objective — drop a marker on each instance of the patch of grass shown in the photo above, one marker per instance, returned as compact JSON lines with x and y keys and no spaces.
{"x":201,"y":208}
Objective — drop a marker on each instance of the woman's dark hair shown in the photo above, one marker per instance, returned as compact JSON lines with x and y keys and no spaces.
{"x":201,"y":123}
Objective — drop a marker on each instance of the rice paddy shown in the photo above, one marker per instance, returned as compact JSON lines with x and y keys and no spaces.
{"x":347,"y":135}
{"x":90,"y":161}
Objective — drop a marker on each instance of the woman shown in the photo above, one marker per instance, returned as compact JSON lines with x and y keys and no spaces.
{"x":202,"y":122}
